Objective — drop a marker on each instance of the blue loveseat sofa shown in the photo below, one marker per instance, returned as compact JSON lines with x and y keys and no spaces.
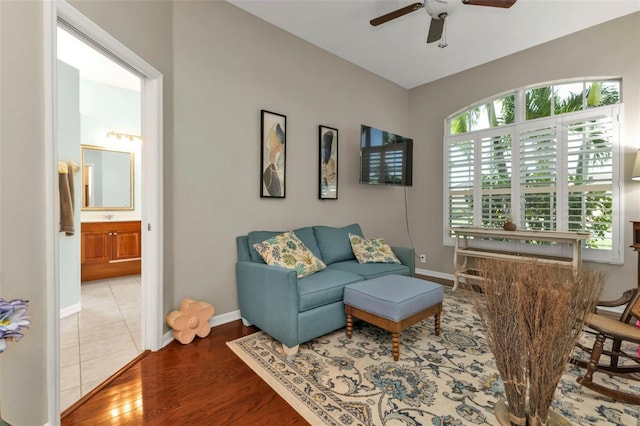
{"x":294,"y":310}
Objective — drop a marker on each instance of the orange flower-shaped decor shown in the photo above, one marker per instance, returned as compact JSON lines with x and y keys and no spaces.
{"x":191,"y":319}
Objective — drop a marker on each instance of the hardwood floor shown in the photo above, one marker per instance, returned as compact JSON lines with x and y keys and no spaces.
{"x":202,"y":383}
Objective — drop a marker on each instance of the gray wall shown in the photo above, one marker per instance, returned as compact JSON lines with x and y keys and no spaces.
{"x":215,"y":86}
{"x":610,"y":49}
{"x":223,"y":77}
{"x":23,"y":269}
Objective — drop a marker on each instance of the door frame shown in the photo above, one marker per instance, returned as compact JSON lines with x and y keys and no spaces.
{"x":152,"y":187}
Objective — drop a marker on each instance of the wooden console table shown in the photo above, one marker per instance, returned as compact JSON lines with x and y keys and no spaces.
{"x":463,"y":252}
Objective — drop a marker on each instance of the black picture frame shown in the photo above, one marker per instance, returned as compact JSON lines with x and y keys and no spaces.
{"x":328,"y":163}
{"x":273,"y":161}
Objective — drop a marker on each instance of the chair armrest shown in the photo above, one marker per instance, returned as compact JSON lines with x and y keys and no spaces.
{"x":268,"y":298}
{"x":407,"y":257}
{"x":626,"y":298}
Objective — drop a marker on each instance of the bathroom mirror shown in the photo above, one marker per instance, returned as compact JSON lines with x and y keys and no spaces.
{"x":107,"y":179}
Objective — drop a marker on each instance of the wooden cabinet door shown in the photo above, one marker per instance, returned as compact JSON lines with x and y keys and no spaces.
{"x":96,"y":247}
{"x":126,"y":244}
{"x":110,"y":249}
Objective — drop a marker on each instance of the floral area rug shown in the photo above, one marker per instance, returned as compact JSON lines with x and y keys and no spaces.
{"x":449,"y":379}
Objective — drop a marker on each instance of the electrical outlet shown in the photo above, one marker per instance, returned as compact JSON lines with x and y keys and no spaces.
{"x":423,"y":258}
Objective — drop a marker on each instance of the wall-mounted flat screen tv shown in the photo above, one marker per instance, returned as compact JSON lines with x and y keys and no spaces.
{"x":385,"y":158}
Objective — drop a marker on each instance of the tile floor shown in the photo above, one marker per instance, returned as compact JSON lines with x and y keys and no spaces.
{"x":102,"y":338}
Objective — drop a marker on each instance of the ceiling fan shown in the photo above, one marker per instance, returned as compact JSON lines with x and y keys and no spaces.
{"x":436,"y":27}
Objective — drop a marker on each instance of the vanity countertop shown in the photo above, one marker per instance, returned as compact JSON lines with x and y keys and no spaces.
{"x":113,"y":219}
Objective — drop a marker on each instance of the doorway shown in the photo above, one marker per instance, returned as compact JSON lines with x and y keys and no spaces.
{"x":150,"y":198}
{"x":99,"y":147}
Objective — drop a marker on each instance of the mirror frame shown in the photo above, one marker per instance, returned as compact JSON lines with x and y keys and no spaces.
{"x":131,"y":179}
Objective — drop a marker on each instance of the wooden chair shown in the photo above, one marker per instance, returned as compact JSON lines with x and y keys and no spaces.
{"x":620,"y":363}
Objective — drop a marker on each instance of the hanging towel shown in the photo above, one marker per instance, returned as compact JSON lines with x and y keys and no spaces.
{"x":65,"y":181}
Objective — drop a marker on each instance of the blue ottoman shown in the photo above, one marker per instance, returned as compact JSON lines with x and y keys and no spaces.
{"x":393,"y":302}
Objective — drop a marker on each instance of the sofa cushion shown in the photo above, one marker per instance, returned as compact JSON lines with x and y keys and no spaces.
{"x":323,"y":287}
{"x":370,"y":270}
{"x":306,"y":235}
{"x":287,"y":251}
{"x":372,"y":251}
{"x":334,"y":242}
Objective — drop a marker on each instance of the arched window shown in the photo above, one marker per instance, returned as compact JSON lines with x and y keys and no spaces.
{"x":547,"y":157}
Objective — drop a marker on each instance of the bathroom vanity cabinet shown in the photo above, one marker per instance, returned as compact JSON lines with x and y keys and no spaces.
{"x":110,"y":249}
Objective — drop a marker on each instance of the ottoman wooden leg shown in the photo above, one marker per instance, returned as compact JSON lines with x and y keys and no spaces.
{"x":349,"y":325}
{"x":437,"y":322}
{"x":395,"y":339}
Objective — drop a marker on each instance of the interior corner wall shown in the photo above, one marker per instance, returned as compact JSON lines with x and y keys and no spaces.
{"x":221,"y":66}
{"x":609,"y":49}
{"x":228,"y":65}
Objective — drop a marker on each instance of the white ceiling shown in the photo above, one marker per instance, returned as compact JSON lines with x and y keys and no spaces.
{"x":397,"y":50}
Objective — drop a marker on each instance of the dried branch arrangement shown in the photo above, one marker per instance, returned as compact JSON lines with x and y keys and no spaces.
{"x":533,"y":315}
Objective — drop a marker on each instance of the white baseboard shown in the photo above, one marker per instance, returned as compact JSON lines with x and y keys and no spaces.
{"x":224,"y":318}
{"x":435,"y":274}
{"x":167,"y":338}
{"x":615,"y":310}
{"x":213,"y":322}
{"x":70,"y":310}
{"x":235,"y":315}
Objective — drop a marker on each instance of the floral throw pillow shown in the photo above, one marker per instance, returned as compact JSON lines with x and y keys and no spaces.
{"x":372,"y":251}
{"x":287,"y":251}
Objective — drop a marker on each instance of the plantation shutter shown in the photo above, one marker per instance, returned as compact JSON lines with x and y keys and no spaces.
{"x":538,"y":180}
{"x":460,"y":183}
{"x":590,"y":178}
{"x":495,"y":163}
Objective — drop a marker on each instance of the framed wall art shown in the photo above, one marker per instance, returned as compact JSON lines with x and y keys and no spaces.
{"x":328,"y":142}
{"x":273,"y":138}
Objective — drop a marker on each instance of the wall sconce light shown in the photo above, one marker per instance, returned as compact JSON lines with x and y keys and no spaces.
{"x":635,"y":175}
{"x":119,"y":136}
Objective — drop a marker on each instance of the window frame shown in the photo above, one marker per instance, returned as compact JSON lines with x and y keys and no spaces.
{"x":560,"y":121}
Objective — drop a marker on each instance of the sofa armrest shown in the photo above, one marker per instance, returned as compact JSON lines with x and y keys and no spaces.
{"x":407,"y":257}
{"x":268,"y":298}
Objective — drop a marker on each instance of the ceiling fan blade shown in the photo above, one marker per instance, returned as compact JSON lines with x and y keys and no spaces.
{"x":396,"y":14}
{"x":492,"y":3}
{"x":435,"y":28}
